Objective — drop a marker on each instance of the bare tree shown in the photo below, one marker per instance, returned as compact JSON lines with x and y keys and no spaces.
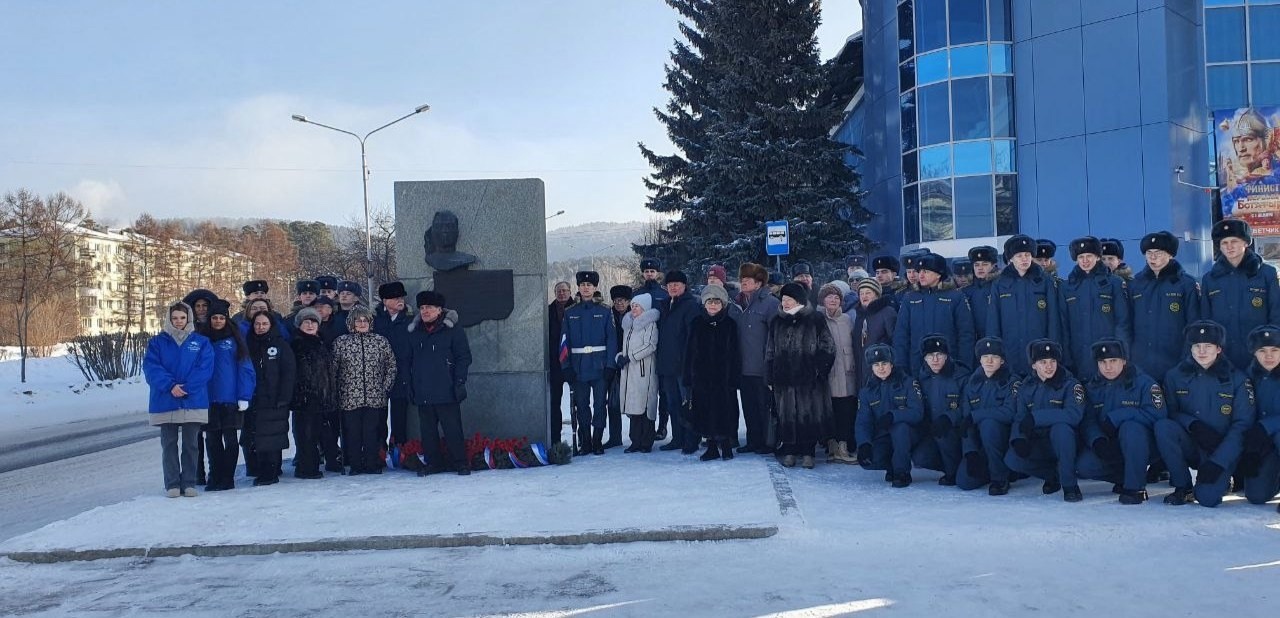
{"x":382,"y":236}
{"x":41,"y":258}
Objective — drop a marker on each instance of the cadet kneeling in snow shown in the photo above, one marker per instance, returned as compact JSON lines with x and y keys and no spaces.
{"x":1260,"y":463}
{"x":1048,"y":410}
{"x":939,"y":447}
{"x":890,"y":407}
{"x":987,"y":401}
{"x":1210,"y":406}
{"x":1124,"y":406}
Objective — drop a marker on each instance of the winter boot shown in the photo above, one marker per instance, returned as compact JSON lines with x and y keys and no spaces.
{"x":172,"y":492}
{"x":832,"y":450}
{"x":726,"y":450}
{"x":1072,"y":494}
{"x":789,"y":461}
{"x":902,"y":480}
{"x":1133,"y":497}
{"x":998,"y":488}
{"x":713,"y":452}
{"x":842,"y":454}
{"x":1180,"y":496}
{"x":597,"y":443}
{"x":947,"y":480}
{"x":806,"y":462}
{"x":1050,"y":486}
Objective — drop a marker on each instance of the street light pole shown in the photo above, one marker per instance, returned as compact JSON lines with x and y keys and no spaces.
{"x":364,"y":181}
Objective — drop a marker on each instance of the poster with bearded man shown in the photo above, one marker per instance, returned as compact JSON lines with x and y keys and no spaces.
{"x":1248,"y":168}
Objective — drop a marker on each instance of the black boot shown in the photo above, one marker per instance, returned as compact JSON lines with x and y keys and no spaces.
{"x":1133,"y":497}
{"x":1179,"y":497}
{"x":902,"y":480}
{"x":713,"y":452}
{"x":1051,"y":486}
{"x":998,"y":488}
{"x":726,"y":450}
{"x":1072,"y":494}
{"x":597,"y":443}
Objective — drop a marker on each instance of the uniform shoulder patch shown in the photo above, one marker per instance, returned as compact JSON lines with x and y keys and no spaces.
{"x":1248,"y":388}
{"x":1157,"y":396}
{"x":1078,"y":392}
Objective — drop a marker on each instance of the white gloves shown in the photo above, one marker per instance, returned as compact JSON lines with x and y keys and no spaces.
{"x":242,"y":405}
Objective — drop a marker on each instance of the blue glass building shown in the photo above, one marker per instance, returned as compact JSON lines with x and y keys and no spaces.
{"x":1055,"y":118}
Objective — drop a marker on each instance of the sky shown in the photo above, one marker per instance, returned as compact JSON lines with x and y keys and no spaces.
{"x":183,"y":109}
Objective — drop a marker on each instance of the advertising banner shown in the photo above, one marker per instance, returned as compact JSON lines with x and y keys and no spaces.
{"x":1248,"y":168}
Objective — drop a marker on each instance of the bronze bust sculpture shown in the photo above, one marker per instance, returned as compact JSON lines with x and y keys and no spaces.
{"x":441,"y":243}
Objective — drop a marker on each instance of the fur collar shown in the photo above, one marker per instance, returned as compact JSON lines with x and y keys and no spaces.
{"x":1001,"y":376}
{"x":650,"y":316}
{"x":1249,"y":265}
{"x":1100,"y":271}
{"x":1035,"y":273}
{"x":1054,"y":382}
{"x":447,"y":319}
{"x":1220,"y":369}
{"x":1172,"y":272}
{"x":873,"y":307}
{"x":1258,"y":374}
{"x":597,"y":298}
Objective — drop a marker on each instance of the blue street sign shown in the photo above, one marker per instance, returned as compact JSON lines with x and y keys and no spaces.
{"x":777,"y":238}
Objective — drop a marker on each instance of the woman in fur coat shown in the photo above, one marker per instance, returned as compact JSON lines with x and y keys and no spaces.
{"x":799,"y":357}
{"x":314,"y":392}
{"x":638,"y":389}
{"x":713,"y":369}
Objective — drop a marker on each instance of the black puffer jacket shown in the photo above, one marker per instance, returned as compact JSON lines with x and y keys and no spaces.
{"x":274,"y":364}
{"x":315,"y":389}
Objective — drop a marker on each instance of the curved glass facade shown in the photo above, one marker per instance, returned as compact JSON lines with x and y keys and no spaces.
{"x":956,"y":100}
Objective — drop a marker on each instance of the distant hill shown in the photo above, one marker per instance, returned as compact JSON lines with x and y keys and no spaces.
{"x":604,"y":238}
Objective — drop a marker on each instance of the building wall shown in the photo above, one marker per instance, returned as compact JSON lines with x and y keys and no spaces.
{"x":880,"y":142}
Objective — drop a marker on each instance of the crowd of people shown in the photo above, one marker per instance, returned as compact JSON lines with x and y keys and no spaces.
{"x":334,"y":370}
{"x":985,"y":373}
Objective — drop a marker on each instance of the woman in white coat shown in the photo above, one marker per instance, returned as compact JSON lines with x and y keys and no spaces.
{"x":636,"y":364}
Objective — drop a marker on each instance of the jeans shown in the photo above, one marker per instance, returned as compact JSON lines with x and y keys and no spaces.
{"x":179,"y":470}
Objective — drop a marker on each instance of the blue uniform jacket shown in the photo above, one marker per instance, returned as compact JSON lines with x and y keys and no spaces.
{"x":932,"y":312}
{"x":1094,"y":305}
{"x":1240,"y":298}
{"x":1023,"y":308}
{"x":589,"y":324}
{"x":1132,"y":397}
{"x":166,"y":364}
{"x":979,"y":295}
{"x":898,"y":396}
{"x":1162,"y":308}
{"x":1219,"y":396}
{"x":1266,"y":387}
{"x":987,"y":398}
{"x":397,"y":333}
{"x":656,"y":292}
{"x":233,"y":379}
{"x":1058,"y":400}
{"x":943,"y":392}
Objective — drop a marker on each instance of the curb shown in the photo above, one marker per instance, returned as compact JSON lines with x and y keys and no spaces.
{"x":420,"y":541}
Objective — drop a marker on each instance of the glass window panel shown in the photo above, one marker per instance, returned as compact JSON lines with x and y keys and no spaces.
{"x":936,"y":211}
{"x":1001,"y":59}
{"x":1266,"y":83}
{"x":1224,"y":35}
{"x":1002,"y":107}
{"x":970,"y":109}
{"x":906,"y":44}
{"x":966,"y":61}
{"x":1228,"y":86}
{"x":1006,"y":162}
{"x":972,"y":158}
{"x":910,"y":168}
{"x":935,"y":162}
{"x":1006,"y":205}
{"x":975,"y":213}
{"x":931,"y":67}
{"x":931,"y":25}
{"x":968,"y":21}
{"x":935,"y":114}
{"x":1264,"y":33}
{"x":908,"y":106}
{"x":1223,"y":2}
{"x":1001,"y":25}
{"x":911,"y":214}
{"x":907,"y":76}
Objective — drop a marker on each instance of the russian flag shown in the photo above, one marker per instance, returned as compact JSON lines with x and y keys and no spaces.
{"x":564,"y":348}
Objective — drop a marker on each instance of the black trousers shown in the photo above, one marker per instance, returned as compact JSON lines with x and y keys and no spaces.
{"x":844,"y":409}
{"x":613,"y":405}
{"x":269,"y":463}
{"x":247,"y":441}
{"x":306,"y":439}
{"x":445,"y":419}
{"x":556,"y":424}
{"x":330,"y":430}
{"x":399,"y":420}
{"x":755,"y":410}
{"x":641,"y":431}
{"x":224,"y":454}
{"x":360,"y":444}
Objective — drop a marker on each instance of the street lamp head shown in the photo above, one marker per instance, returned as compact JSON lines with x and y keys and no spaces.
{"x":299,"y":117}
{"x":421,"y":108}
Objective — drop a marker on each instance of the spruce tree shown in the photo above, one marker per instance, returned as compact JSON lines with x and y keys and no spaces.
{"x":753,"y":142}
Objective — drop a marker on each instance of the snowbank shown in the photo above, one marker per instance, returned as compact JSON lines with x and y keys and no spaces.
{"x":56,"y":393}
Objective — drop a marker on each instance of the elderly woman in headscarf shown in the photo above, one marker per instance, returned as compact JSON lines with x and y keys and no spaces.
{"x":177,"y":366}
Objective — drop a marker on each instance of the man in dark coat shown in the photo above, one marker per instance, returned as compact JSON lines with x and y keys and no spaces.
{"x":440,"y":358}
{"x":984,"y":259}
{"x":758,"y":307}
{"x":592,"y":362}
{"x":392,"y":321}
{"x":1118,"y":430}
{"x":1164,"y":301}
{"x":1240,"y":292}
{"x":556,"y":354}
{"x":1095,"y":305}
{"x":885,"y":269}
{"x":620,"y":298}
{"x":932,"y":311}
{"x":802,"y":273}
{"x":678,"y":313}
{"x":1024,"y":303}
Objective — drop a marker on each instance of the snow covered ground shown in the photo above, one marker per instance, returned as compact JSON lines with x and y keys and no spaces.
{"x":56,"y":393}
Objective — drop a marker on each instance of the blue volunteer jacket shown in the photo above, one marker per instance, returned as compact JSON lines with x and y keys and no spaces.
{"x":1240,"y":298}
{"x":1095,"y":304}
{"x":1134,"y":397}
{"x":927,"y":312}
{"x":1162,"y":307}
{"x":167,"y":363}
{"x":1219,"y":397}
{"x":1060,"y":399}
{"x":589,"y":324}
{"x":898,"y":396}
{"x":1023,"y":308}
{"x":233,"y":379}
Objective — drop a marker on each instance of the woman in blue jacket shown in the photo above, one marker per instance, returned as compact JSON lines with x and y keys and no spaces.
{"x":230,"y":390}
{"x":177,"y":366}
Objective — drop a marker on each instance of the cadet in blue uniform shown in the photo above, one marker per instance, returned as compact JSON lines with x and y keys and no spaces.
{"x":890,"y":407}
{"x":932,"y":311}
{"x":1113,"y":258}
{"x":1165,"y":300}
{"x":942,"y":382}
{"x":1210,"y":406}
{"x":984,"y":259}
{"x":588,"y":332}
{"x":1119,"y":425}
{"x":650,"y":272}
{"x":987,"y":402}
{"x":1046,"y":257}
{"x":1047,"y":412}
{"x":1024,"y":303}
{"x":1260,"y":462}
{"x":1094,"y":305}
{"x":885,"y":269}
{"x":961,"y":273}
{"x":1240,"y":292}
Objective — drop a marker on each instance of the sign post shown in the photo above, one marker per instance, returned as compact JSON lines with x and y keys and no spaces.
{"x":777,"y":240}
